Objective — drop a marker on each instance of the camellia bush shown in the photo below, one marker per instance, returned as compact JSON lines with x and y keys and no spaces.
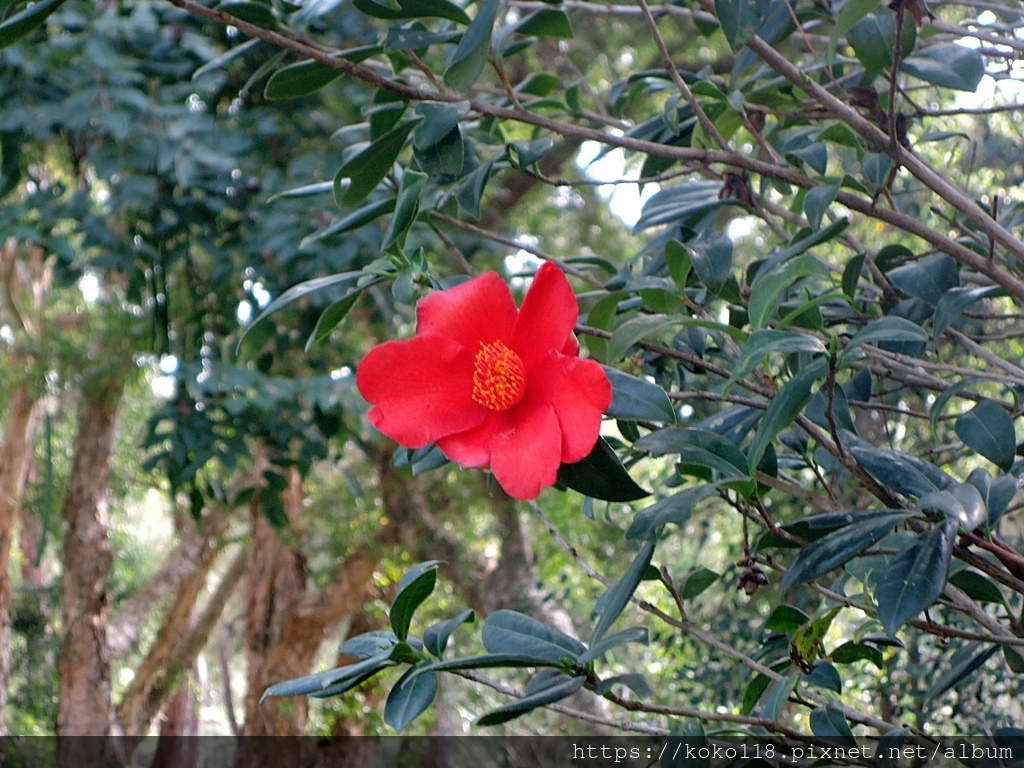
{"x":812,"y":343}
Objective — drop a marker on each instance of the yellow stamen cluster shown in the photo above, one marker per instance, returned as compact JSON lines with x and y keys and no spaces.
{"x":499,"y":377}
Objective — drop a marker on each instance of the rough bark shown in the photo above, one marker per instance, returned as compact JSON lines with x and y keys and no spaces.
{"x":190,"y":559}
{"x":178,"y":644}
{"x":15,"y":460}
{"x":285,"y":624}
{"x":84,"y":706}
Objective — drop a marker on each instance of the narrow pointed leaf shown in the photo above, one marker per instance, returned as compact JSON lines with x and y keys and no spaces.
{"x":618,"y":595}
{"x":368,"y":168}
{"x":916,"y":576}
{"x":516,"y":633}
{"x":540,"y":698}
{"x":785,"y":407}
{"x":601,"y":476}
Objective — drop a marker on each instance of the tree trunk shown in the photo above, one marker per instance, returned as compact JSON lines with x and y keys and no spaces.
{"x":84,"y":707}
{"x":15,"y":461}
{"x":285,"y":625}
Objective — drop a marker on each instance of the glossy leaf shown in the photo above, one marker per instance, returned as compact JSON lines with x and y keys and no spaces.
{"x":14,"y":28}
{"x":836,"y":548}
{"x":769,"y":287}
{"x":638,"y":399}
{"x":407,"y":208}
{"x":955,"y":301}
{"x":369,"y":167}
{"x":306,"y":77}
{"x":516,"y":633}
{"x":546,"y":22}
{"x":988,"y":429}
{"x":900,"y":472}
{"x":601,"y":476}
{"x":915,"y":577}
{"x":928,"y":279}
{"x":675,"y":509}
{"x":601,"y":647}
{"x":322,"y":680}
{"x":711,"y":257}
{"x":741,"y":19}
{"x":409,"y":698}
{"x":947,"y":65}
{"x":785,"y":407}
{"x":413,"y":9}
{"x":618,"y":595}
{"x":761,"y":344}
{"x":415,"y":587}
{"x":540,"y":698}
{"x":435,"y":639}
{"x":965,"y":661}
{"x":467,"y":61}
{"x":829,"y":723}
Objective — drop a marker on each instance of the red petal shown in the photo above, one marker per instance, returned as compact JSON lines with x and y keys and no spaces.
{"x":477,"y":311}
{"x":471,"y":448}
{"x":526,"y":455}
{"x":421,"y":389}
{"x":579,"y":392}
{"x":547,"y":317}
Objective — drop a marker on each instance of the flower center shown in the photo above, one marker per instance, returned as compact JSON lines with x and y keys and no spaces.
{"x":499,"y":377}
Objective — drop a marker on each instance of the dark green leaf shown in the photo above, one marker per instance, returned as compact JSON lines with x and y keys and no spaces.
{"x":761,"y":344}
{"x":900,"y":472}
{"x":851,"y":274}
{"x":947,"y":65}
{"x":955,"y":301}
{"x":785,"y":619}
{"x":358,"y":218}
{"x":741,"y":19}
{"x":415,"y":587}
{"x":988,"y":430}
{"x":309,"y":76}
{"x":838,"y":547}
{"x":676,"y":509}
{"x":928,"y":279}
{"x":696,"y":446}
{"x":688,"y":733}
{"x":818,"y":199}
{"x":635,"y":682}
{"x":605,"y":644}
{"x":884,"y":329}
{"x":410,"y":697}
{"x":696,"y":582}
{"x":540,"y":698}
{"x":369,"y":167}
{"x":711,"y":256}
{"x":368,"y":644}
{"x":413,"y":9}
{"x":784,"y":408}
{"x":977,"y":587}
{"x":439,"y":120}
{"x":680,"y":204}
{"x":618,"y":595}
{"x":322,"y":680}
{"x":965,"y":661}
{"x":852,"y":12}
{"x":20,"y":24}
{"x":546,"y":22}
{"x":636,"y":399}
{"x":776,"y":697}
{"x":601,"y":476}
{"x":467,"y":61}
{"x":849,"y":652}
{"x":829,"y":723}
{"x":407,"y":208}
{"x":435,"y":639}
{"x":916,"y":576}
{"x":771,"y":284}
{"x":873,"y":39}
{"x":516,"y":633}
{"x":333,"y":315}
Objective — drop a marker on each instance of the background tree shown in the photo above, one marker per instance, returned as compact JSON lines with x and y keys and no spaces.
{"x":811,"y":328}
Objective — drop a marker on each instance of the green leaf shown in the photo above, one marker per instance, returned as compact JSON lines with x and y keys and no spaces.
{"x":852,"y":12}
{"x":435,"y":639}
{"x":784,"y":408}
{"x":849,"y":652}
{"x":410,"y":697}
{"x":635,"y":682}
{"x":20,"y":24}
{"x":785,"y":619}
{"x":516,"y":633}
{"x":415,"y":587}
{"x":761,"y":344}
{"x":686,"y":734}
{"x":818,"y":199}
{"x":300,"y":291}
{"x":334,"y":314}
{"x":988,"y":429}
{"x":696,"y":582}
{"x":927,"y":279}
{"x":805,"y":643}
{"x":955,"y":301}
{"x":310,"y":76}
{"x":467,"y":61}
{"x":615,"y":599}
{"x":636,"y":399}
{"x":546,"y":22}
{"x":851,"y":275}
{"x":251,"y":11}
{"x":676,"y":509}
{"x":601,"y":476}
{"x":884,"y":329}
{"x":413,"y":9}
{"x":407,"y":208}
{"x":369,"y":644}
{"x":915,"y":577}
{"x":637,"y":328}
{"x":540,"y":698}
{"x":977,"y":587}
{"x":899,"y":472}
{"x":439,"y":120}
{"x":488,"y":661}
{"x":605,"y":644}
{"x":353,"y":221}
{"x":829,"y":723}
{"x":947,"y":65}
{"x":10,"y":161}
{"x":741,"y":19}
{"x":771,"y":284}
{"x":369,"y":167}
{"x":711,"y":256}
{"x":838,"y":547}
{"x":965,"y":661}
{"x":323,"y":680}
{"x":873,"y":39}
{"x":775,"y":699}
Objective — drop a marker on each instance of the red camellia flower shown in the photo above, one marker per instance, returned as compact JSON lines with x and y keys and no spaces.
{"x":494,"y":386}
